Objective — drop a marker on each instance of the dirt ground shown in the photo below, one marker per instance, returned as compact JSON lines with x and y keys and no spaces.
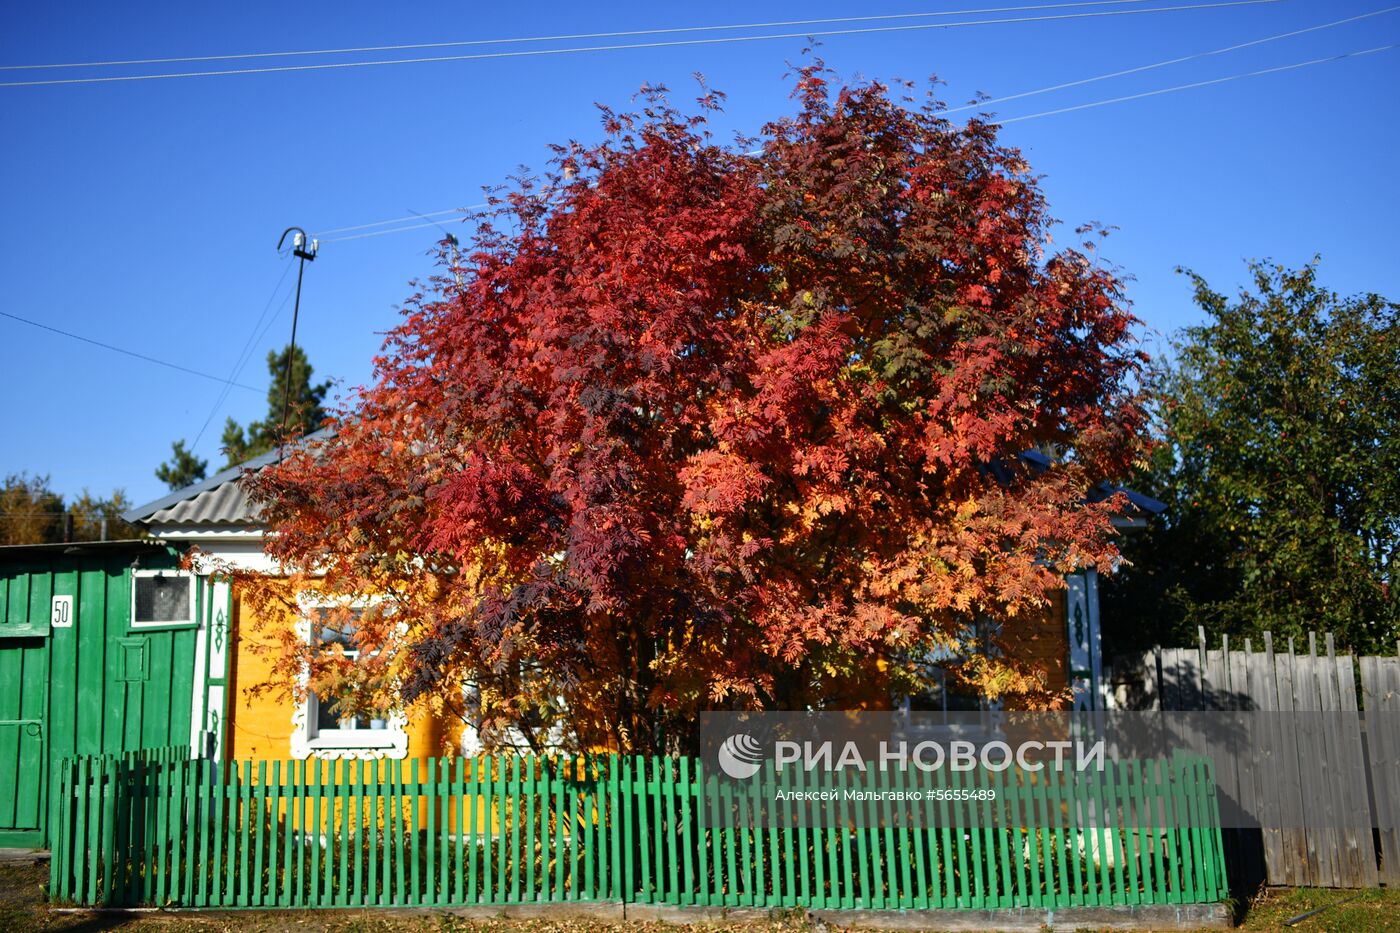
{"x":23,"y":908}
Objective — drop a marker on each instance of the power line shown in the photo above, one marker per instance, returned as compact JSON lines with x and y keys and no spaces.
{"x":255,"y":340}
{"x":6,"y":513}
{"x":1195,"y":84}
{"x":361,"y":236}
{"x":380,"y":223}
{"x":245,"y":353}
{"x":567,"y":37}
{"x":638,"y":45}
{"x":979,"y":104}
{"x":1162,"y":64}
{"x":132,"y":353}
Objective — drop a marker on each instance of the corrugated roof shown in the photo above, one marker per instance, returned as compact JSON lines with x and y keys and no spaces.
{"x":218,"y":500}
{"x":225,"y":504}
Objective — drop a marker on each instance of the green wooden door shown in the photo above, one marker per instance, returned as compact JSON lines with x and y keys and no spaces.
{"x":25,"y":607}
{"x":21,"y":779}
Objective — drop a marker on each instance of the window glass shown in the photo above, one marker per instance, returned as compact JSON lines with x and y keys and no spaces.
{"x":329,"y":716}
{"x":162,"y":598}
{"x":333,"y":628}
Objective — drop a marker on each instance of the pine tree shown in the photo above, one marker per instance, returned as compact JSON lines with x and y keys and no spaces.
{"x":305,"y":410}
{"x":183,"y":468}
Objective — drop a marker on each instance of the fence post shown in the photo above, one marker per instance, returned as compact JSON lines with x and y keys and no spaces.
{"x":62,"y":823}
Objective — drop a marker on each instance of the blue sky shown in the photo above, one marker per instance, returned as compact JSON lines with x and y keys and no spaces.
{"x":145,"y":214}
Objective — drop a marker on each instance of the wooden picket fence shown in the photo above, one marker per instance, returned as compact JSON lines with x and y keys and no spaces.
{"x":157,"y":830}
{"x":1340,"y":772}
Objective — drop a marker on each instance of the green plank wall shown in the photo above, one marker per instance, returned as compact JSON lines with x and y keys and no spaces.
{"x":94,"y":688}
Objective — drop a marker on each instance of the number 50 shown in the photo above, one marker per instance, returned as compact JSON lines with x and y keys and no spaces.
{"x":62,"y":616}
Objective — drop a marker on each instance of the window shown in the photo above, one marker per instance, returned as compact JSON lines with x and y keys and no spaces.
{"x":162,"y":599}
{"x":939,"y":696}
{"x":327,"y":726}
{"x":329,"y":716}
{"x":945,"y":705}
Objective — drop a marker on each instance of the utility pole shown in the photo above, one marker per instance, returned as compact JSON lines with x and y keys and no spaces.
{"x":303,"y":255}
{"x":451,"y":241}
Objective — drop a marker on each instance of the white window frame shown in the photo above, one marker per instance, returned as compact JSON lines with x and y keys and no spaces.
{"x":989,"y":722}
{"x":307,"y":740}
{"x":191,"y":580}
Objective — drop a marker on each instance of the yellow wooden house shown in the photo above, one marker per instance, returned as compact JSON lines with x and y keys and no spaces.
{"x":244,"y":723}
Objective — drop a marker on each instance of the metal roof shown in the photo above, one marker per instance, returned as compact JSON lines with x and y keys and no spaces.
{"x":218,"y":500}
{"x":21,"y":551}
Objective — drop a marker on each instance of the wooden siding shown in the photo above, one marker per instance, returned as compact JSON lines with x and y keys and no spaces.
{"x":260,"y":722}
{"x":94,"y":688}
{"x":1322,"y":780}
{"x":1043,"y":640}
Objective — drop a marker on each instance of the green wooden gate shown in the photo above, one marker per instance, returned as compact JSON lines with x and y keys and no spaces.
{"x":22,"y":755}
{"x":161,"y":829}
{"x":75,"y":677}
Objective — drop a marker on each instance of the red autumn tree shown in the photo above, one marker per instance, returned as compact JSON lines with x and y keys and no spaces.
{"x":702,"y":428}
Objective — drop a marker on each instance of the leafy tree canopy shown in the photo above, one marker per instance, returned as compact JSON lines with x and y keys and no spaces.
{"x":706,"y":429}
{"x":32,"y":513}
{"x":304,"y":410}
{"x":1280,"y":463}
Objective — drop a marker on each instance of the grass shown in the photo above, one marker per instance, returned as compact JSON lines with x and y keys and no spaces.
{"x":1375,"y":911}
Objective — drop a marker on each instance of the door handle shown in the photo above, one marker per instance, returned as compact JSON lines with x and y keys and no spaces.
{"x":31,"y":726}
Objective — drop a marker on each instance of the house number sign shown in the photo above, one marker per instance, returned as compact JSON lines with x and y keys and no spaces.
{"x":62,"y":616}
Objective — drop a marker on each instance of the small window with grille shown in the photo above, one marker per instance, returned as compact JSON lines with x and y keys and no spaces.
{"x":162,"y":599}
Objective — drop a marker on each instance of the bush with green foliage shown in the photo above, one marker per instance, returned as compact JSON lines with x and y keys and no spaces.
{"x":1280,"y":463}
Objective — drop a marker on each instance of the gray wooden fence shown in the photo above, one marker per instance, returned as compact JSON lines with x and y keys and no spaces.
{"x":1343,"y":778}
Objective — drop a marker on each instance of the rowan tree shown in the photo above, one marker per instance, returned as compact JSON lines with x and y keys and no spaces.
{"x":703,"y":427}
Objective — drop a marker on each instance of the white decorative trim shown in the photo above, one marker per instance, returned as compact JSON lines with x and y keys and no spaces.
{"x":335,"y":744}
{"x":221,"y":629}
{"x":192,"y":531}
{"x":391,"y":742}
{"x":1082,"y":631}
{"x":1091,"y":589}
{"x":214,"y":717}
{"x":200,"y":682}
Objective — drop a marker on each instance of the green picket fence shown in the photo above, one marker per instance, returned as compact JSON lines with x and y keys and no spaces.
{"x":165,"y":830}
